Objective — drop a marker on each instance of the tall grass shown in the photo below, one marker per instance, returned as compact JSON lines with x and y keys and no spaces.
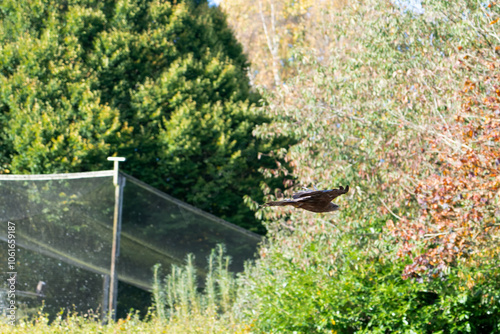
{"x":181,"y":304}
{"x":180,"y":301}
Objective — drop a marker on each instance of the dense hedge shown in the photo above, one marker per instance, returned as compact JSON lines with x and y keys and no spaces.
{"x":162,"y":83}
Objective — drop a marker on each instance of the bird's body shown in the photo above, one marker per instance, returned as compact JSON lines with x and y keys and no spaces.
{"x":313,"y":200}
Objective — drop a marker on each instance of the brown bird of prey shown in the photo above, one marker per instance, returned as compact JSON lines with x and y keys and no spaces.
{"x":313,"y":200}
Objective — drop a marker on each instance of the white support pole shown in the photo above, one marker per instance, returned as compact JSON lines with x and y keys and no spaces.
{"x":113,"y":284}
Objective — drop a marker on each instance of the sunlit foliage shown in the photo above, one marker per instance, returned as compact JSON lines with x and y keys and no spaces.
{"x":162,"y":83}
{"x":459,"y":220}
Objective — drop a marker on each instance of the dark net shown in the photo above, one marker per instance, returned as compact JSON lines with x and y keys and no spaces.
{"x":63,"y":234}
{"x":158,"y":228}
{"x":62,"y":230}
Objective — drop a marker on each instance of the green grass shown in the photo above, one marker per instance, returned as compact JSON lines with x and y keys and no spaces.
{"x":197,"y":323}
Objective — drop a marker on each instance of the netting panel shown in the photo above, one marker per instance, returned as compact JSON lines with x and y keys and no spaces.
{"x":64,"y":227}
{"x":157,"y":228}
{"x":63,"y":233}
{"x":69,"y":219}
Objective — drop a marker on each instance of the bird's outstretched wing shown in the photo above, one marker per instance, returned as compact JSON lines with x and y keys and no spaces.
{"x":314,"y":200}
{"x":329,"y":195}
{"x":292,"y":202}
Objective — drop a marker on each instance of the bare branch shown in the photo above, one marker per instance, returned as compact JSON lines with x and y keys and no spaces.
{"x":395,"y":215}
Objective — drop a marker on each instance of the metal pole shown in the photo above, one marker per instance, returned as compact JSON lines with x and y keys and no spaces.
{"x":105,"y":300}
{"x":119,"y":184}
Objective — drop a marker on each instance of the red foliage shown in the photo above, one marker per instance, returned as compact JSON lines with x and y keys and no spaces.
{"x":459,"y":218}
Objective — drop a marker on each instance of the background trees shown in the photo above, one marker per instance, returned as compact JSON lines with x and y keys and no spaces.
{"x":388,"y":110}
{"x":400,"y":103}
{"x":458,"y":222}
{"x":273,"y":31}
{"x":161,"y":83}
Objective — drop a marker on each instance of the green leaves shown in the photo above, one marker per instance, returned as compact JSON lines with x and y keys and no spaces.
{"x":361,"y":110}
{"x":163,"y":84}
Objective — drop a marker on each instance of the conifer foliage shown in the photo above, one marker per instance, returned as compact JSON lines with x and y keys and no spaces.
{"x":162,"y":83}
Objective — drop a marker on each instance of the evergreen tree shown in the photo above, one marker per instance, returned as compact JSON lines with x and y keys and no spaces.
{"x":162,"y":83}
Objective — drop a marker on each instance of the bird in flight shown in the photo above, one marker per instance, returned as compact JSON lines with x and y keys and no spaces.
{"x":312,"y":200}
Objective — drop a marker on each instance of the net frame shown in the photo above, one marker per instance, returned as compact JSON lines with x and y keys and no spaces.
{"x":41,"y":248}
